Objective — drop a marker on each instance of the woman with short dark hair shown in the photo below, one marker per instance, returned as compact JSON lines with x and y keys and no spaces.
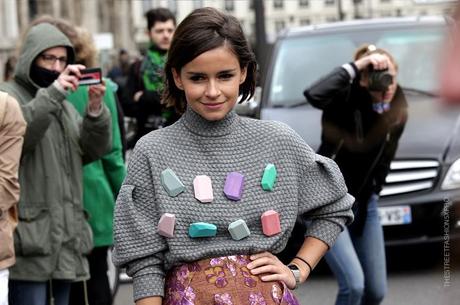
{"x":208,"y":200}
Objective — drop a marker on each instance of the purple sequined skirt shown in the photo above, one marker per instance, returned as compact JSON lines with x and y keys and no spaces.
{"x":223,"y":281}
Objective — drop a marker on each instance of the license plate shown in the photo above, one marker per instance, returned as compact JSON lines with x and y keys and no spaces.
{"x":396,"y":215}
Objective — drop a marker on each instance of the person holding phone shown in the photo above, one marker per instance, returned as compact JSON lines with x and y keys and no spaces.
{"x":102,"y":180}
{"x":53,"y":237}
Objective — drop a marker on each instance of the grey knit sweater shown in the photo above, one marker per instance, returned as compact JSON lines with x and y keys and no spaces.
{"x":306,"y":184}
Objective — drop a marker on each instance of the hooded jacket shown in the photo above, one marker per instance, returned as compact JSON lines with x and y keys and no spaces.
{"x":53,"y":234}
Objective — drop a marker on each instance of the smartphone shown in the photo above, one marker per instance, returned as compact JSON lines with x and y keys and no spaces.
{"x":91,"y":76}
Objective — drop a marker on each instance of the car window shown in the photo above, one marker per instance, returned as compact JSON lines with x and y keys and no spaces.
{"x":417,"y":54}
{"x":300,"y":61}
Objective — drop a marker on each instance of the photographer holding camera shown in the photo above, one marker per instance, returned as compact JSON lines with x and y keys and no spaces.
{"x":364,"y":114}
{"x":53,"y":237}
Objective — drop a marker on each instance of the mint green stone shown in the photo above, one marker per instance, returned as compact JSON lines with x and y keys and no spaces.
{"x":171,"y":183}
{"x":269,"y":177}
{"x":202,"y":229}
{"x":239,"y":229}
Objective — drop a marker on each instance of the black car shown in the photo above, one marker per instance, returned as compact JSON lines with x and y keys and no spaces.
{"x":420,"y":200}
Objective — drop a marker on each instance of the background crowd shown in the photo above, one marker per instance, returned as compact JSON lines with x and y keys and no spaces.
{"x":63,"y":157}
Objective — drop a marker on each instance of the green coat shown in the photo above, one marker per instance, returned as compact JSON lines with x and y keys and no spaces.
{"x":53,"y":236}
{"x":102,"y":178}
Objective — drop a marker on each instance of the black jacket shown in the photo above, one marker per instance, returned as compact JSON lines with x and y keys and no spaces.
{"x":361,"y":141}
{"x":135,"y":83}
{"x":150,"y":101}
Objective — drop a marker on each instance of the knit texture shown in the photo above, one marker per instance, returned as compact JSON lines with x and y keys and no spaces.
{"x":306,"y":184}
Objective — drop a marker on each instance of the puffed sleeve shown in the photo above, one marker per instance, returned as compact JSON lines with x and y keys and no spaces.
{"x":323,"y":197}
{"x":138,"y":247}
{"x":324,"y":200}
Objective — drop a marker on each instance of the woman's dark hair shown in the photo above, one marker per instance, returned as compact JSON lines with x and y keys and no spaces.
{"x":202,"y":30}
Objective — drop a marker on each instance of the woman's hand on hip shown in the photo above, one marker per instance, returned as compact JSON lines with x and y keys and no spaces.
{"x":270,"y":268}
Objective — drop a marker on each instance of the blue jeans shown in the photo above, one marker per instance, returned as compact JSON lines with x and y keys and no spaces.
{"x":37,"y":293}
{"x":358,"y":262}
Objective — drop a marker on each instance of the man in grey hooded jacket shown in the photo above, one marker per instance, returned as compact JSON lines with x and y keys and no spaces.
{"x":53,"y":236}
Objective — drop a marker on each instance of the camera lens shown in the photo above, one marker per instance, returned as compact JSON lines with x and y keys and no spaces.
{"x":379,"y":80}
{"x":386,"y":79}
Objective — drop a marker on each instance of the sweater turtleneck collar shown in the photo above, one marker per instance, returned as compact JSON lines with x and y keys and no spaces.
{"x":199,"y":125}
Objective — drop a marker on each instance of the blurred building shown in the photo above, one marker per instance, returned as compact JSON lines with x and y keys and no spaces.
{"x":280,"y":14}
{"x":109,"y":20}
{"x":121,"y":23}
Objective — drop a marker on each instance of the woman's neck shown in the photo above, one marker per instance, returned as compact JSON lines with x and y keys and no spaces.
{"x":199,"y":125}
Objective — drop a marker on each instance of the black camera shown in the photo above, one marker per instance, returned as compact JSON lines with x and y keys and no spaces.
{"x":379,"y":80}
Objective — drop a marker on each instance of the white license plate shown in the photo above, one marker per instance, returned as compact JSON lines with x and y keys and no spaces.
{"x":396,"y":215}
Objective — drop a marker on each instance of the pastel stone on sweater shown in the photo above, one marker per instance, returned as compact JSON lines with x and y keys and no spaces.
{"x":269,"y":177}
{"x":166,"y":225}
{"x":202,"y":229}
{"x":239,"y":229}
{"x":271,"y":223}
{"x":171,"y":182}
{"x":203,"y":188}
{"x":233,"y":188}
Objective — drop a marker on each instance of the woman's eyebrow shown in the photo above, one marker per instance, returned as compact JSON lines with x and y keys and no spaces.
{"x":227,"y":71}
{"x":202,"y":73}
{"x":195,"y":73}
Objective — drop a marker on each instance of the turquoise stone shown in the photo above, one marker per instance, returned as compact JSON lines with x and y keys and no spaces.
{"x":171,"y":183}
{"x":239,"y":229}
{"x":202,"y":229}
{"x":269,"y":177}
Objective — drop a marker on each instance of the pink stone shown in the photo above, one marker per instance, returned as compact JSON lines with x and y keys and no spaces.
{"x":271,"y":223}
{"x":233,"y":188}
{"x":166,"y":225}
{"x":203,"y":188}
